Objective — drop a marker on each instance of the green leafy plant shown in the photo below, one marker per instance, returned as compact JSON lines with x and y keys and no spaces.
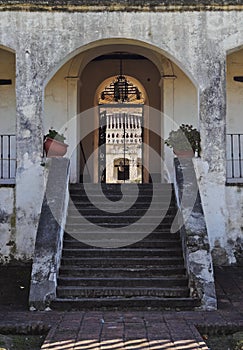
{"x":53,"y":134}
{"x":185,"y":138}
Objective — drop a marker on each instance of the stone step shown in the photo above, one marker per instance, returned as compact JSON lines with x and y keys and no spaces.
{"x":91,"y":223}
{"x":123,"y":282}
{"x":117,"y":187}
{"x":93,"y":211}
{"x":110,"y":217}
{"x":172,"y":243}
{"x":102,"y":292}
{"x":138,"y":210}
{"x":156,"y":235}
{"x":149,"y":262}
{"x":90,"y":227}
{"x":74,"y":271}
{"x":147,"y":270}
{"x":121,"y":303}
{"x":135,"y":201}
{"x":123,"y":253}
{"x":77,"y":197}
{"x":123,"y":190}
{"x":113,"y":239}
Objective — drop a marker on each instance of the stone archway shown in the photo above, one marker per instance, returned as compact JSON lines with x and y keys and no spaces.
{"x":77,"y":90}
{"x":139,"y":69}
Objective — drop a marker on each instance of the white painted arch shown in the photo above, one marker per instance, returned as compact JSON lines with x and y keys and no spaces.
{"x":77,"y":61}
{"x":155,"y":54}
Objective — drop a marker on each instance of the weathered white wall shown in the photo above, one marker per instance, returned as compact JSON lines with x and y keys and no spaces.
{"x":215,"y":210}
{"x":234,"y":232}
{"x":7,"y":93}
{"x":7,"y":224}
{"x":227,"y":218}
{"x":56,"y":107}
{"x":196,"y":41}
{"x":180,"y":107}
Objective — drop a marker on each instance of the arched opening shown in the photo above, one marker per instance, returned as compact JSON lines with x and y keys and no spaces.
{"x":7,"y":116}
{"x":98,"y":77}
{"x":121,"y":100}
{"x":234,"y":128}
{"x":170,"y":98}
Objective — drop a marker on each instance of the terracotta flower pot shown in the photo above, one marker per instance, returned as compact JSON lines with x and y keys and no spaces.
{"x":54,"y":148}
{"x":184,"y":153}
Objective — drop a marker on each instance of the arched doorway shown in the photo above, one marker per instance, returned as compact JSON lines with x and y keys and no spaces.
{"x":121,"y":133}
{"x":170,"y":99}
{"x":122,"y":83}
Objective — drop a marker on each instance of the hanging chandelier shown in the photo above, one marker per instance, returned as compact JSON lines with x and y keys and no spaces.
{"x":121,"y":90}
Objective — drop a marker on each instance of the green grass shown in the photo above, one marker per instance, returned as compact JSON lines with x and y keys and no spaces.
{"x":225,"y":342}
{"x":21,"y":342}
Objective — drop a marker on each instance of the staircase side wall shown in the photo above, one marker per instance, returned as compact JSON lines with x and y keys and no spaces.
{"x":194,"y":235}
{"x":48,"y":246}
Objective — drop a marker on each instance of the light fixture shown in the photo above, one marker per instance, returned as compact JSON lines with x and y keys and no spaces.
{"x":121,"y":90}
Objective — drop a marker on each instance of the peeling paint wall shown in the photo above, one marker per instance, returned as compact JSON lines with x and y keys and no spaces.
{"x":7,"y":224}
{"x":56,"y":100}
{"x":234,"y":202}
{"x":194,"y":235}
{"x":180,"y":101}
{"x":223,"y":208}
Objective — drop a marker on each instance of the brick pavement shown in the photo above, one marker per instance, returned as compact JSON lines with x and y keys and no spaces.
{"x":134,"y":330}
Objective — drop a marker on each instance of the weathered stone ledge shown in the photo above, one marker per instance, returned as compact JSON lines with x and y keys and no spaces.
{"x":121,"y":5}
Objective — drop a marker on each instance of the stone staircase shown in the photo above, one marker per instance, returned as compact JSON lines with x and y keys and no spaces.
{"x":112,"y":260}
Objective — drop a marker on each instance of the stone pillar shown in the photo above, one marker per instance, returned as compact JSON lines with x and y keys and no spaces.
{"x":168,"y":124}
{"x":73,"y":128}
{"x":212,"y":103}
{"x":212,"y":169}
{"x":29,"y":137}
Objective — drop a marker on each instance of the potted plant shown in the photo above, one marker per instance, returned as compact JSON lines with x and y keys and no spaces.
{"x":54,"y":145}
{"x":185,"y":141}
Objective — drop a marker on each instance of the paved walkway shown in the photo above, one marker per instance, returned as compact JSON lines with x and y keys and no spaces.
{"x":137,"y":330}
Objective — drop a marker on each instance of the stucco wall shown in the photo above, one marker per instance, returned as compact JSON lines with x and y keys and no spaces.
{"x":55,"y":107}
{"x":7,"y":224}
{"x":180,"y":106}
{"x":222,"y":207}
{"x":196,"y":41}
{"x":234,"y":201}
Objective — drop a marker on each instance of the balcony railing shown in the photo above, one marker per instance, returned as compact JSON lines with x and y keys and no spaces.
{"x":235,"y":158}
{"x":7,"y":159}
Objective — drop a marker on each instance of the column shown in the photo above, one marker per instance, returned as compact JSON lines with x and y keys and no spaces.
{"x":211,"y":168}
{"x":29,"y":138}
{"x":73,"y":128}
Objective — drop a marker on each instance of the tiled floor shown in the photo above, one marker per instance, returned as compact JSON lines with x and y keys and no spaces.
{"x":134,"y":330}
